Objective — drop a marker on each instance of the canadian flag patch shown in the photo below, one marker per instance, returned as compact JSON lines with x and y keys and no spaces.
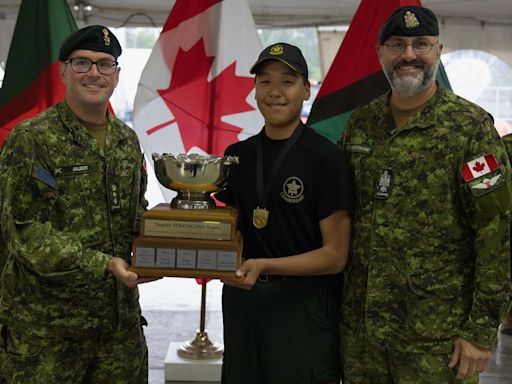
{"x":479,"y":167}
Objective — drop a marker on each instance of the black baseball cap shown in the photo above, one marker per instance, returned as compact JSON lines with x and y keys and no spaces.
{"x":409,"y":20}
{"x":286,"y":53}
{"x":94,"y":38}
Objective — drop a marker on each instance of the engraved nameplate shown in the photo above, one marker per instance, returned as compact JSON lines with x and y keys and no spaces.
{"x":208,"y":230}
{"x":145,"y":257}
{"x":226,"y":260}
{"x":165,"y":258}
{"x":186,"y":258}
{"x":207,"y":259}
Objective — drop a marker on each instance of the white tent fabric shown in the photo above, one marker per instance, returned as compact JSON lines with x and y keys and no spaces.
{"x":273,"y":13}
{"x":468,"y":24}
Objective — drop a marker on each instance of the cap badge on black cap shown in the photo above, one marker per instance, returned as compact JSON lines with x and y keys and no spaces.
{"x":410,"y":20}
{"x":106,"y":37}
{"x":276,"y":50}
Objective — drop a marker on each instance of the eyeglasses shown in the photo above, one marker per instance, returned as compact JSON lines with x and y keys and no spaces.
{"x":420,"y":47}
{"x":83,"y":65}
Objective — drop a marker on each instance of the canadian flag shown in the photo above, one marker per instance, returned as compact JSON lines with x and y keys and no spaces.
{"x":195,"y":94}
{"x":479,"y":167}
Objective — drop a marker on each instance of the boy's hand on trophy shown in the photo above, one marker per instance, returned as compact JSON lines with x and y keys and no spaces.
{"x":247,"y":274}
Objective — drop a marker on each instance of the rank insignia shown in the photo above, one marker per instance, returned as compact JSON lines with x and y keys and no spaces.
{"x":478,"y":167}
{"x":384,"y":185}
{"x":114,"y":198}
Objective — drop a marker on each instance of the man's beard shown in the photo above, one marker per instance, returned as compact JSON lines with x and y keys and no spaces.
{"x":411,"y":85}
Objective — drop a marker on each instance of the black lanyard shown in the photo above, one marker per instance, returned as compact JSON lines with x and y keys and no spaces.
{"x":262,"y":190}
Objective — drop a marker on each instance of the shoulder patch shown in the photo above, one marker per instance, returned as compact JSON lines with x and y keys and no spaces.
{"x":487,"y":184}
{"x":44,"y":176}
{"x":478,"y":167}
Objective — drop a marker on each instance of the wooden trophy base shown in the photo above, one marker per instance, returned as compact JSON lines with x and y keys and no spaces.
{"x":175,"y":242}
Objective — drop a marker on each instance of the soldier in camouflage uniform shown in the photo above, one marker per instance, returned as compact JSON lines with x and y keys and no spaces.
{"x":429,"y":278}
{"x":506,"y":326}
{"x":72,"y":186}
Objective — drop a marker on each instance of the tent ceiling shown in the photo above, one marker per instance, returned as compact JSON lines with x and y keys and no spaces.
{"x":275,"y":13}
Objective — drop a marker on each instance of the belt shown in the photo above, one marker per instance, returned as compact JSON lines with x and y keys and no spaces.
{"x":273,"y":278}
{"x":281,"y":278}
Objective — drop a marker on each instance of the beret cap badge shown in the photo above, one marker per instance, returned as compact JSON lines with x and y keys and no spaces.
{"x":106,"y":37}
{"x":410,"y":20}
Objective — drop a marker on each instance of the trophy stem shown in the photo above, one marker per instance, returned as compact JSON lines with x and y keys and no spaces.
{"x":201,"y":348}
{"x":192,"y":200}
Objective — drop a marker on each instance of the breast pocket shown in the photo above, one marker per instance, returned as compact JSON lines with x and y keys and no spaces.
{"x":81,"y":194}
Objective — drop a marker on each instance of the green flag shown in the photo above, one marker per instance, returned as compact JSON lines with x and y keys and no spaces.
{"x":32,"y":81}
{"x":355,"y":76}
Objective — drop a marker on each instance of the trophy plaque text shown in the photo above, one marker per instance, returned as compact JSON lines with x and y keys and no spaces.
{"x":191,"y":237}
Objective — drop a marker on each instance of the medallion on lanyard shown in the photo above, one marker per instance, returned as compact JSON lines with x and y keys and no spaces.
{"x":260,"y":217}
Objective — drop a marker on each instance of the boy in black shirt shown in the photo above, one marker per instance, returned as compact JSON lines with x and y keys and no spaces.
{"x":293,"y":193}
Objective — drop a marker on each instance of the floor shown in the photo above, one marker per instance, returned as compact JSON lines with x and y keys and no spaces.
{"x":172,"y":307}
{"x":500,"y":369}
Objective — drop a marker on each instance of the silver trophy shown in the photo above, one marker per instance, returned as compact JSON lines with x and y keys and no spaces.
{"x":204,"y":236}
{"x":194,"y":177}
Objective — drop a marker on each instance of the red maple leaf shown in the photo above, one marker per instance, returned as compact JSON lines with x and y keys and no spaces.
{"x":198,"y":105}
{"x":478,"y":167}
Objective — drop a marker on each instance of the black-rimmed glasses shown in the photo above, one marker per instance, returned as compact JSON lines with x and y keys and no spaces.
{"x":84,"y":65}
{"x":419,"y":46}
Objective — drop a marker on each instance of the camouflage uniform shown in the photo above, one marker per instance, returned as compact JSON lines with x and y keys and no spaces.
{"x":430,"y":250}
{"x":507,"y":324}
{"x":67,"y":206}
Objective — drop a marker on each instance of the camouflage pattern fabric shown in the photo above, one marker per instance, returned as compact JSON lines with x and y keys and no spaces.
{"x":66,"y":207}
{"x":112,"y":357}
{"x":507,"y":140}
{"x":3,"y":252}
{"x":371,"y":364}
{"x":431,"y":251}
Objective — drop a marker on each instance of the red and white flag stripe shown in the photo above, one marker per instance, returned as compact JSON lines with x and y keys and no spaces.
{"x":479,"y":167}
{"x":196,"y":94}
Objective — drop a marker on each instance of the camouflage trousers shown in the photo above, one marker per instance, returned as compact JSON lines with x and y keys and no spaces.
{"x":366,"y":363}
{"x":119,"y":357}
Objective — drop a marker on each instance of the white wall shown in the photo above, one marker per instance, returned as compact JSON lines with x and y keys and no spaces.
{"x":454,"y":34}
{"x":494,"y":39}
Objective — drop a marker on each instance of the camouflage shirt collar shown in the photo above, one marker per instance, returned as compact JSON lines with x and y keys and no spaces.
{"x":115,"y":134}
{"x":422,"y":120}
{"x":72,"y":123}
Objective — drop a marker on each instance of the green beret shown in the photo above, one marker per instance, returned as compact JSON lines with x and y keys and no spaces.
{"x":94,"y":38}
{"x":410,"y":20}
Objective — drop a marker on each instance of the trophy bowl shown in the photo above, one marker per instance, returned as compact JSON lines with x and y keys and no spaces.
{"x":194,"y":177}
